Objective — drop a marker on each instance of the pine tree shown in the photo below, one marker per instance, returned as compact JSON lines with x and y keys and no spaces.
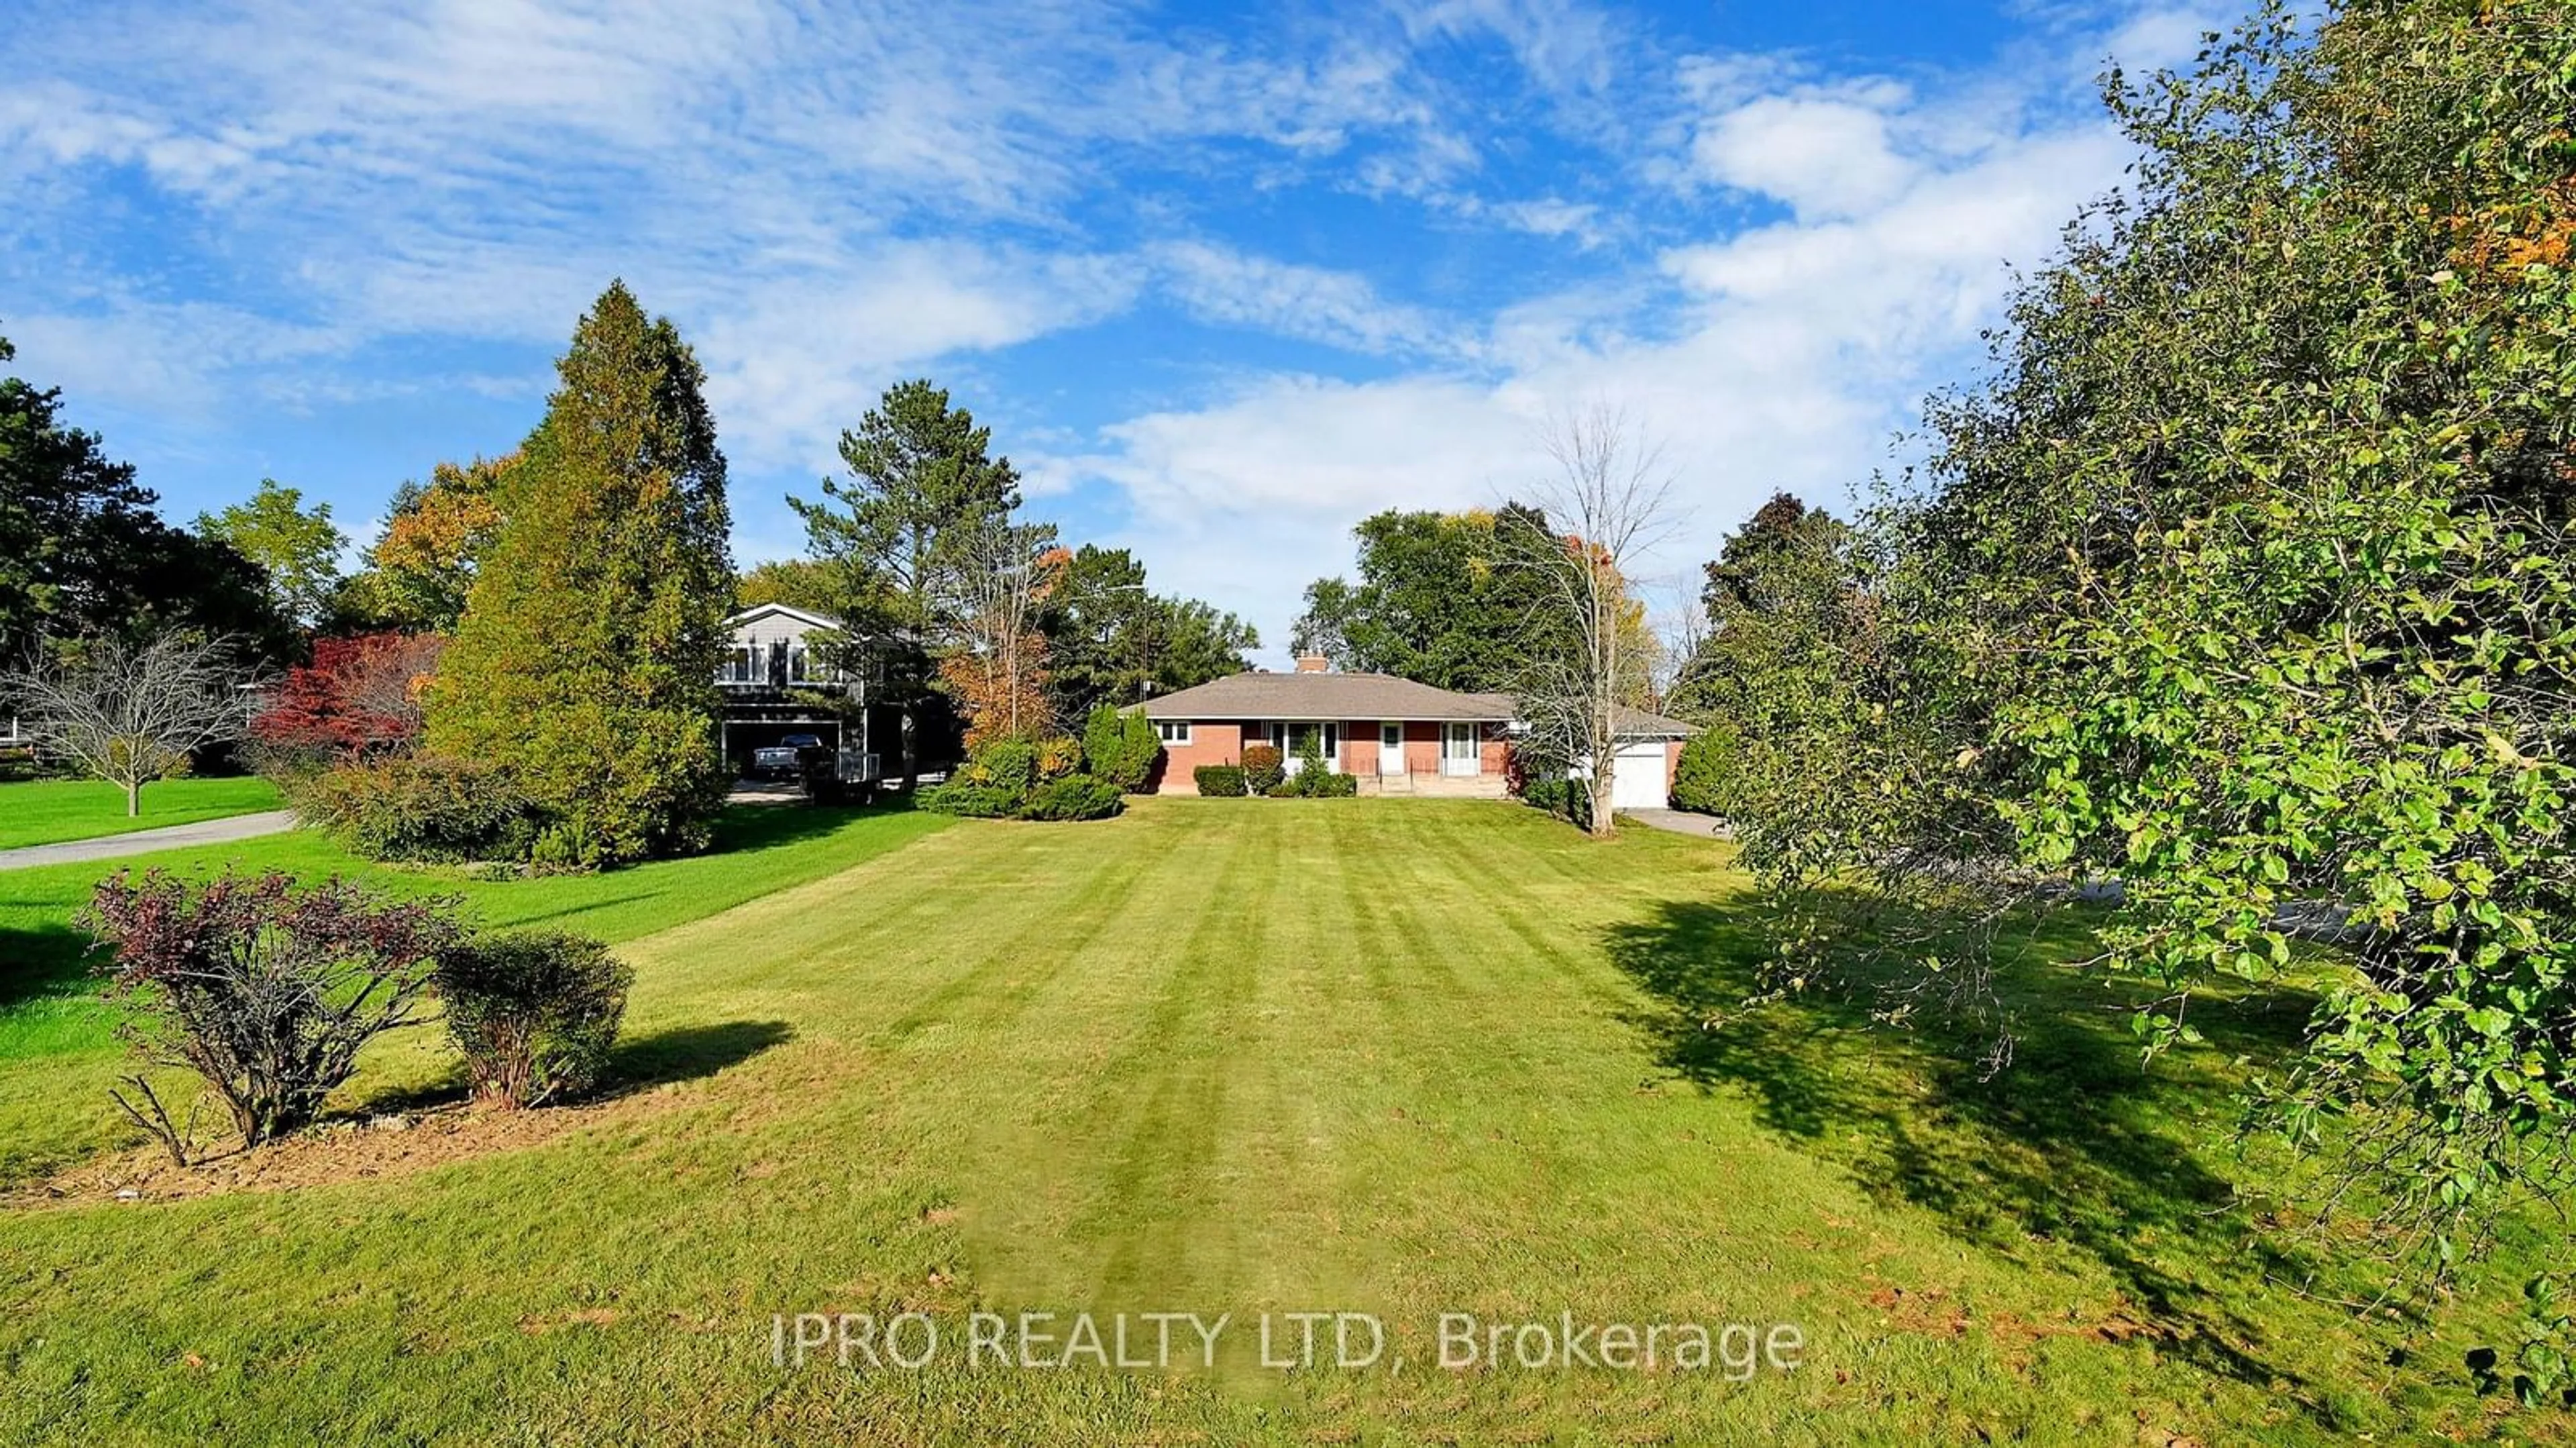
{"x":585,"y":662}
{"x":923,"y":482}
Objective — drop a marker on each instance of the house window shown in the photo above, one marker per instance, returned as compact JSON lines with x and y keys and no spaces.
{"x":1323,"y":736}
{"x":796,"y":673}
{"x":737,"y":666}
{"x":1173,"y":731}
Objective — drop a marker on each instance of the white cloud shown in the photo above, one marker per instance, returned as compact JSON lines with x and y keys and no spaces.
{"x":828,"y":197}
{"x":1822,"y":156}
{"x":139,"y":356}
{"x":1223,"y":285}
{"x":812,"y":351}
{"x":1783,"y":356}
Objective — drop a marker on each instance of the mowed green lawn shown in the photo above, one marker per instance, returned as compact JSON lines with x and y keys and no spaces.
{"x":58,"y":1050}
{"x":1401,"y":1058}
{"x":49,"y":811}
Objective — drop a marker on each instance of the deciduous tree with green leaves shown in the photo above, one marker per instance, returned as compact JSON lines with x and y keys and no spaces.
{"x":1771,"y":679}
{"x":811,"y":584}
{"x":585,"y":662}
{"x":298,"y":547}
{"x":2248,"y":578}
{"x":1433,"y":603}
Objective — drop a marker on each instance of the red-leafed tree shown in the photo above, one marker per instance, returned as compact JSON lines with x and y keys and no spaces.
{"x":358,"y":696}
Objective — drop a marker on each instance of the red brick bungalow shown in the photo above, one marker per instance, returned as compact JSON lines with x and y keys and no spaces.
{"x":1396,"y":735}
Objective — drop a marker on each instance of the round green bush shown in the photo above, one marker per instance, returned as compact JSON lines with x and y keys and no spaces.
{"x":534,"y":1011}
{"x":1700,"y":776}
{"x":968,"y":799}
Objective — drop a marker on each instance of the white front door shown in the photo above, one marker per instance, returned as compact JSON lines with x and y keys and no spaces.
{"x":1458,"y":749}
{"x":1390,"y":747}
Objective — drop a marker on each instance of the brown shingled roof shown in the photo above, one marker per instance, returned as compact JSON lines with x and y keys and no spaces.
{"x":1326,"y":696}
{"x":1366,"y":696}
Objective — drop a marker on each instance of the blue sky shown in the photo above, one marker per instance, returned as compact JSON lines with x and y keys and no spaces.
{"x":1224,"y":279}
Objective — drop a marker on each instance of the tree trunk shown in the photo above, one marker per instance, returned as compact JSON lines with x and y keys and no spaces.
{"x":1604,"y":728}
{"x":133,"y":798}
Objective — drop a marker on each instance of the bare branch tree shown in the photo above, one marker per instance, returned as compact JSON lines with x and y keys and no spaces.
{"x":1606,"y":502}
{"x":130,"y":714}
{"x":1682,"y":627}
{"x":996,"y":665}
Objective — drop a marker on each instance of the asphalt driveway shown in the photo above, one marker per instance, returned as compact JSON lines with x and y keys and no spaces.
{"x":142,"y":842}
{"x":1680,"y":822}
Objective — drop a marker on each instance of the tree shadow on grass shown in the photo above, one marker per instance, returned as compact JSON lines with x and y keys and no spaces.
{"x":2073,"y":1143}
{"x":685,"y":1053}
{"x":745,"y":827}
{"x":45,"y":960}
{"x":635,"y":1064}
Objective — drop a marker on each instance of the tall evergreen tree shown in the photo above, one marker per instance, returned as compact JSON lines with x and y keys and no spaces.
{"x":585,"y":662}
{"x":1110,"y":640}
{"x":84,"y":553}
{"x":923,"y":484}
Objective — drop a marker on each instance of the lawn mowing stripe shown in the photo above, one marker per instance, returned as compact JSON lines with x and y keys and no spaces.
{"x":1002,"y":983}
{"x":1154,"y":1108}
{"x":1528,"y":1172}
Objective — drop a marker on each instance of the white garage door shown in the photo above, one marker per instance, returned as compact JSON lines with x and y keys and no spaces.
{"x":1637,"y":780}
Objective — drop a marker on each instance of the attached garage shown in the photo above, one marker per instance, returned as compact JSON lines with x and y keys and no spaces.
{"x":1638,"y":779}
{"x":1650,"y":745}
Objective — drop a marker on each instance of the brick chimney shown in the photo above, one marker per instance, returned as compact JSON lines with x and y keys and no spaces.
{"x":1314,"y":664}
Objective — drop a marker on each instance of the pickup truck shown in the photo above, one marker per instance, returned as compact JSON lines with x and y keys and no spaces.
{"x":780,"y":760}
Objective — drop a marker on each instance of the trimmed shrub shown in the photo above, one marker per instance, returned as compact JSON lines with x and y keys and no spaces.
{"x":1008,"y":765}
{"x":533,"y":1011}
{"x":1058,"y":758}
{"x":1563,"y":797}
{"x":1312,"y":779}
{"x":1007,"y":778}
{"x":1333,"y":784}
{"x":1701,"y":774}
{"x":1263,"y":767}
{"x":1316,"y":782}
{"x":969,"y":800}
{"x":263,"y":988}
{"x":422,"y":808}
{"x":1220,"y":779}
{"x":1121,"y":746}
{"x":1074,"y":797}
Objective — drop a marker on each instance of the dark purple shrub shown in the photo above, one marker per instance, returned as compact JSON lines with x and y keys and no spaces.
{"x":264,"y":988}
